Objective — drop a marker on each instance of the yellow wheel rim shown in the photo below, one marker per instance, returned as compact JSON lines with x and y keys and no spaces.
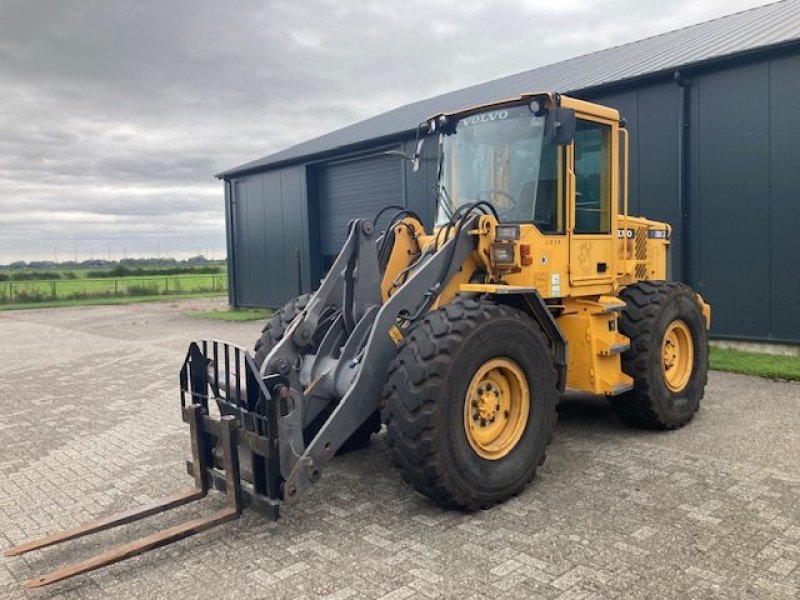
{"x":496,"y":408}
{"x":677,"y":355}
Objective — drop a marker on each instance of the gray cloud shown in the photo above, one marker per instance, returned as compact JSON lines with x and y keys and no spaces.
{"x":115,"y":115}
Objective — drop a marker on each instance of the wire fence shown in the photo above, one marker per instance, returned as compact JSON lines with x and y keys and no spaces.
{"x":22,"y":292}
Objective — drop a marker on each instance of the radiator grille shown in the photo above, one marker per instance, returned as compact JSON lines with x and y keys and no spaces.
{"x":640,"y":249}
{"x":641,"y":243}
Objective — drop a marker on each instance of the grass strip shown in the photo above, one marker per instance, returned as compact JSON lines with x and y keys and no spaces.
{"x":233,"y":314}
{"x":755,"y":363}
{"x":106,"y":300}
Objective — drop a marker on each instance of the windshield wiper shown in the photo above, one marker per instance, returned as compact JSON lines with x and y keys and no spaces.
{"x":441,"y":191}
{"x":443,"y":200}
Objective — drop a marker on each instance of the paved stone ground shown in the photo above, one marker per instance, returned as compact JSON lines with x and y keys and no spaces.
{"x":90,"y":425}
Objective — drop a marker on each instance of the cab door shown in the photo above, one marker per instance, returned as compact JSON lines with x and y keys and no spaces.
{"x":592,"y":171}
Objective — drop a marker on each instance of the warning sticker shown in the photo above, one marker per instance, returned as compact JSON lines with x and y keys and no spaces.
{"x":555,"y":284}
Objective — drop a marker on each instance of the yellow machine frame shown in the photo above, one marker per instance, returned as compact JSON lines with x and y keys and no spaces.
{"x":579,"y":276}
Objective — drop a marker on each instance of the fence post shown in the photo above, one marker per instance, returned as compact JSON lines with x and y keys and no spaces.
{"x":116,"y":281}
{"x":54,"y":289}
{"x":10,"y":292}
{"x":166,"y":285}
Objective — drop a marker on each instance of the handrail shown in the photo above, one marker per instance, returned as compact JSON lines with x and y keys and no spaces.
{"x":626,"y":142}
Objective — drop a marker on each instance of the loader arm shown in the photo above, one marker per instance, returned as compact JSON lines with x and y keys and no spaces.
{"x":348,"y":368}
{"x":360,"y":373}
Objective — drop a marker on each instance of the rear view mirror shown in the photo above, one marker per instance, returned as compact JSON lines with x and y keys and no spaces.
{"x":561,"y":126}
{"x":415,"y":158}
{"x":418,"y":154}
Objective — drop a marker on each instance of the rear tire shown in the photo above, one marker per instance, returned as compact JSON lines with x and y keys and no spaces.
{"x":273,"y":332}
{"x":430,"y":395}
{"x":668,"y":357}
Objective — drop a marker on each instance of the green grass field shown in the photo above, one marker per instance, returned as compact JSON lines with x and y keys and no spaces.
{"x":21,"y":294}
{"x":233,"y":314}
{"x":108,"y":300}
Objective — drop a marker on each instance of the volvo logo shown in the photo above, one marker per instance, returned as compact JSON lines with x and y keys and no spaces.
{"x":487,"y":117}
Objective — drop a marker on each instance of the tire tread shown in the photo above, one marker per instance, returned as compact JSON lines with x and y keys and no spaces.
{"x":410,"y":397}
{"x":639,"y":320}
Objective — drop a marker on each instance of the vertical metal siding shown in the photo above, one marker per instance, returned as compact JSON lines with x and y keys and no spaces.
{"x":784,"y":222}
{"x":248,"y":220}
{"x":294,"y":228}
{"x":730,"y":201}
{"x":273,"y":270}
{"x":229,"y":243}
{"x":657,"y":156}
{"x":268,"y":218}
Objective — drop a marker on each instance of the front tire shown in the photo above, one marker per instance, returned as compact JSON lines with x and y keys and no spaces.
{"x":668,"y":356}
{"x":470,"y":403}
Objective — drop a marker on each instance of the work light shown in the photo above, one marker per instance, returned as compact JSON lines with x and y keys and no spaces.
{"x":503,"y":254}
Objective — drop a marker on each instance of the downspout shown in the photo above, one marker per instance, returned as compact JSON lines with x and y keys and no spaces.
{"x":231,"y":243}
{"x":683,"y":172}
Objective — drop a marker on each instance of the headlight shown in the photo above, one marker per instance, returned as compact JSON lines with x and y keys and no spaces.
{"x":506,"y":233}
{"x":503,"y":254}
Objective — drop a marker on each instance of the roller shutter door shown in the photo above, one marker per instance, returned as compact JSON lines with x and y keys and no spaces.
{"x":355,"y":189}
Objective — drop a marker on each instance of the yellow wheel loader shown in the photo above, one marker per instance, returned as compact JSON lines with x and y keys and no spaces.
{"x":459,"y":340}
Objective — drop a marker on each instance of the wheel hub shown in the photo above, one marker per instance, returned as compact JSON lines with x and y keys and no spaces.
{"x":486,"y":403}
{"x":677,"y":355}
{"x":496,"y":408}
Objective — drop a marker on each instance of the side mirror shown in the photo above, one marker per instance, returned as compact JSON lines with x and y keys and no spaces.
{"x":561,"y":126}
{"x":414,"y":160}
{"x":418,"y":154}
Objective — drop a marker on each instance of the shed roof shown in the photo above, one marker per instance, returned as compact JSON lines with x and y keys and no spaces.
{"x":736,"y":34}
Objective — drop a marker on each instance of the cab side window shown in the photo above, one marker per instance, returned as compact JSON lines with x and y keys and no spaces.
{"x":592,"y":177}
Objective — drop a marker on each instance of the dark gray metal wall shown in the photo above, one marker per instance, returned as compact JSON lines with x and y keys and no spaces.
{"x":784,"y":196}
{"x":742,"y":202}
{"x":269,"y":224}
{"x":744,"y":198}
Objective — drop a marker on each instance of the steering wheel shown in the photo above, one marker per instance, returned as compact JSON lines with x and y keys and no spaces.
{"x":512,"y":206}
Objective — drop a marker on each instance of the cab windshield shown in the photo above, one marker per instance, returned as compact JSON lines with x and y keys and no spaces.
{"x":501,"y":156}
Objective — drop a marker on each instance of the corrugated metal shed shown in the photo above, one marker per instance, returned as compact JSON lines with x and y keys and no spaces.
{"x":737,"y":34}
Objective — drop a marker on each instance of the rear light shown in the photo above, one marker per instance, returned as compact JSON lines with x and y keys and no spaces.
{"x":503,"y":254}
{"x":525,"y":256}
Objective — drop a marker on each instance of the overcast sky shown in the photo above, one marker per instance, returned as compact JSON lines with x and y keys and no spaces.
{"x":115,"y":116}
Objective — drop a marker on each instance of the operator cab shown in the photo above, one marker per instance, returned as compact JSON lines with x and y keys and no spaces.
{"x":545,"y":162}
{"x":502,"y":156}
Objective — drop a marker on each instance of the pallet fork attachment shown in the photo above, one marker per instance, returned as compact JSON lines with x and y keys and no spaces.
{"x":212,"y":440}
